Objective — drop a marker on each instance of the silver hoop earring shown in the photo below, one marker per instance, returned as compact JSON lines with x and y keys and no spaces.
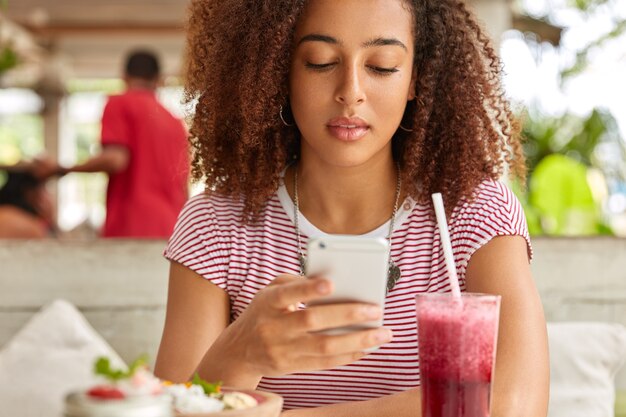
{"x":405,"y":129}
{"x":280,"y":113}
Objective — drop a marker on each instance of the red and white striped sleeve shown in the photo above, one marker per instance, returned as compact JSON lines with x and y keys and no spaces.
{"x":494,"y":211}
{"x":198,"y":242}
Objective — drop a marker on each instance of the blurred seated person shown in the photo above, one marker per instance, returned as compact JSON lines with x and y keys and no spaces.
{"x":145,"y":154}
{"x":25,"y":207}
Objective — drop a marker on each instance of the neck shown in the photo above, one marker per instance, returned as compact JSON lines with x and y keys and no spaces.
{"x":345,"y":200}
{"x":140,"y":84}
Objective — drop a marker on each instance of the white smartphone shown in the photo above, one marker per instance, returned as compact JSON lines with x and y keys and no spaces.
{"x":357,"y":266}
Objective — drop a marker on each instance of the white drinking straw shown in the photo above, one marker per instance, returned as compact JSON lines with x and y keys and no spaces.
{"x":440,"y":213}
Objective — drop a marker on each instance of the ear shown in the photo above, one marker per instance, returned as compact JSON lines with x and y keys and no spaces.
{"x":412,"y":86}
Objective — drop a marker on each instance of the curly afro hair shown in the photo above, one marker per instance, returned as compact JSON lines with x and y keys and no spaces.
{"x":239,"y":52}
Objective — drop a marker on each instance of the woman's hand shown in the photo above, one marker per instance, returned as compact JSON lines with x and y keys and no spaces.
{"x":273,"y":337}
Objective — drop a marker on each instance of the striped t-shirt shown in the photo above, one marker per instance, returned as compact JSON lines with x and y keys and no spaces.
{"x":242,"y":259}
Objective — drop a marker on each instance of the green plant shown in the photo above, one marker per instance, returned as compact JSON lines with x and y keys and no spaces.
{"x":559,"y":151}
{"x":8,"y":58}
{"x":571,"y":135}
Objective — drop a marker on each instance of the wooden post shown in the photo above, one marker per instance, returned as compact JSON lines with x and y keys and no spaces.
{"x":495,"y":16}
{"x":51,"y":115}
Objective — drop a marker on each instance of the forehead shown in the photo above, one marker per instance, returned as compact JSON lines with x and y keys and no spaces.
{"x":353,"y":21}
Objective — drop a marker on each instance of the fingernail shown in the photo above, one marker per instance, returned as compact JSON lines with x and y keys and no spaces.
{"x":371,"y":312}
{"x":322,"y":287}
{"x":383,"y":335}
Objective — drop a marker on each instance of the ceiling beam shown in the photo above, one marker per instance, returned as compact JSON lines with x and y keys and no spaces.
{"x":60,"y":29}
{"x":544,"y":30}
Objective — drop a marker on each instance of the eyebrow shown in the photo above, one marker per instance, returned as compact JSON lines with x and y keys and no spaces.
{"x":316,"y":37}
{"x":384,"y":42}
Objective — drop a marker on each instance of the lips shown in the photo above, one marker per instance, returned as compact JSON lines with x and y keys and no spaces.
{"x":348,"y":128}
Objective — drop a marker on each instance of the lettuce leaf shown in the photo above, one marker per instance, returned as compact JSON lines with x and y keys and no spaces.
{"x":103,"y":367}
{"x":208,"y":388}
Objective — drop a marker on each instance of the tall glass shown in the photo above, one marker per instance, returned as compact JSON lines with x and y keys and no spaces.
{"x":457,"y":349}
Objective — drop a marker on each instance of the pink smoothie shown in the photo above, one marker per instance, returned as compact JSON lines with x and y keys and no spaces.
{"x":456,"y":353}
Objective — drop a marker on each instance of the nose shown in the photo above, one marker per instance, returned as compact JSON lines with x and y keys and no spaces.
{"x":350,"y":89}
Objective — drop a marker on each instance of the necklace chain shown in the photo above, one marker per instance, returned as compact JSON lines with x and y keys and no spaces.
{"x":393,"y":273}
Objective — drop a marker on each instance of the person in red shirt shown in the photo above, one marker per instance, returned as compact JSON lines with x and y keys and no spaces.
{"x":145,"y":153}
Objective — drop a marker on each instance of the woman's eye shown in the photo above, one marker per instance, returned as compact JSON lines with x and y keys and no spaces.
{"x":319,"y":67}
{"x":330,"y":65}
{"x":383,"y":70}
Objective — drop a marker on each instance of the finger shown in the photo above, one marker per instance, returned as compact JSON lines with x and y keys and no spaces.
{"x":321,"y":345}
{"x":329,"y":316}
{"x":297,"y":291}
{"x":315,"y":363}
{"x":284,"y":279}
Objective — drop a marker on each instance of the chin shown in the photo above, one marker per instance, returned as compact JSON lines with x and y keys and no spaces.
{"x":334,"y":153}
{"x":352,"y":160}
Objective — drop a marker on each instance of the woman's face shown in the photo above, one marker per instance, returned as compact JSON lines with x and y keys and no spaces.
{"x":351,"y":77}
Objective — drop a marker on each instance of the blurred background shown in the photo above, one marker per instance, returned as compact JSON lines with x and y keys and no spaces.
{"x":564,"y":64}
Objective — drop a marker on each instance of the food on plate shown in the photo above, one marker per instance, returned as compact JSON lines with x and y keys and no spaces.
{"x":136,"y":386}
{"x":199,"y":396}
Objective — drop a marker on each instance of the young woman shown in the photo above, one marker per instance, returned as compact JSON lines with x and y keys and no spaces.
{"x":25,"y":206}
{"x":345,"y":116}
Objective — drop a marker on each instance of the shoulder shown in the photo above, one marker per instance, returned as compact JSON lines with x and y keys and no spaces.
{"x":493,"y":210}
{"x":490,"y":198}
{"x":115,"y":104}
{"x":205,"y":220}
{"x":212,"y":216}
{"x":16,"y":223}
{"x":127,"y":98}
{"x":116,"y":99}
{"x":209,"y":226}
{"x":210,"y":207}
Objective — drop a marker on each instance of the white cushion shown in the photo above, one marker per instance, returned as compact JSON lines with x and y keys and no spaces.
{"x":50,"y":356}
{"x":584,"y":359}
